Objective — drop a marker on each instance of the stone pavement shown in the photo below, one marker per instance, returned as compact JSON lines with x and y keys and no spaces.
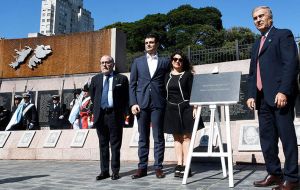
{"x":78,"y":175}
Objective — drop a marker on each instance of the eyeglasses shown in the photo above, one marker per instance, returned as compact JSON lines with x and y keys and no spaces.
{"x":105,"y":62}
{"x":177,"y":59}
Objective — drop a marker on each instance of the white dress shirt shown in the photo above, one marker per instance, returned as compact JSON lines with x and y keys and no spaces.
{"x":152,"y":63}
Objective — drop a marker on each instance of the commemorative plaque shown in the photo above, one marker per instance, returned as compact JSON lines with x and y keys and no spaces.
{"x":240,"y":111}
{"x":210,"y":89}
{"x":67,"y":97}
{"x":44,"y":100}
{"x":5,"y":100}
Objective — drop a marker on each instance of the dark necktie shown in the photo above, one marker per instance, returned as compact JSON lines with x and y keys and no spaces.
{"x":258,"y":76}
{"x":104,"y":97}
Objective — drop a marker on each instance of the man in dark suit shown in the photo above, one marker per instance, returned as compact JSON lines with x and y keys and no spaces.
{"x":29,"y":114}
{"x":109,"y":94}
{"x":58,"y":114}
{"x":272,"y":91}
{"x":147,"y":101}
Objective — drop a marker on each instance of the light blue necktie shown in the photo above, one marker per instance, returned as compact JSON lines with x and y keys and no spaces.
{"x":104,"y":97}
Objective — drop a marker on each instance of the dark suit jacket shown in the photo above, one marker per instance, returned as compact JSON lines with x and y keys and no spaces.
{"x":55,"y":113}
{"x":120,"y":95}
{"x":31,"y":116}
{"x":142,"y":86}
{"x":279,"y":62}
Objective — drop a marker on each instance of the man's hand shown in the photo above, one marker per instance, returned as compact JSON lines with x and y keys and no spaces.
{"x":30,"y":126}
{"x":61,"y":117}
{"x":135,"y":109}
{"x":280,"y":100}
{"x":251,"y":103}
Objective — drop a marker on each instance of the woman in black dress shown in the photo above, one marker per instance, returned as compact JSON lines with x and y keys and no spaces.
{"x":179,"y":115}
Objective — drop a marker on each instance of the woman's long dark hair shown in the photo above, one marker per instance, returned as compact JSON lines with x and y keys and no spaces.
{"x":186,"y":65}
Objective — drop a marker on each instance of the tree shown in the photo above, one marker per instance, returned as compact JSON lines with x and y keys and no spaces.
{"x":187,"y":15}
{"x":177,"y":29}
{"x":243,"y":35}
{"x":195,"y":35}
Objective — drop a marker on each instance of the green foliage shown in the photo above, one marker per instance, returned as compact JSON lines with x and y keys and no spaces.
{"x":243,"y":35}
{"x":183,"y":27}
{"x":187,"y":15}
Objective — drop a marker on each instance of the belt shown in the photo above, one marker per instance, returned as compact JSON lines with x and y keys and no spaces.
{"x":107,"y":110}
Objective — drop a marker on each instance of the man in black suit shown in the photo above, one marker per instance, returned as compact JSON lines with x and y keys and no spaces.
{"x":58,"y":114}
{"x":29,"y":114}
{"x":147,"y":101}
{"x":272,"y":91}
{"x":109,"y":94}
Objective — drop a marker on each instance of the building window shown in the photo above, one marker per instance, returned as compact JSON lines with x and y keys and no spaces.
{"x":43,"y":20}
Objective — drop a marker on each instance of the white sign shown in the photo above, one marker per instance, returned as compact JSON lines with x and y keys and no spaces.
{"x":52,"y":138}
{"x":3,"y":137}
{"x":79,"y":138}
{"x":26,"y":139}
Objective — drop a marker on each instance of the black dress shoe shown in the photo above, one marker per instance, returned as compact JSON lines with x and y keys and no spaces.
{"x":177,"y":170}
{"x":139,"y":173}
{"x":103,"y":175}
{"x":268,"y":181}
{"x":159,"y":173}
{"x":115,"y":176}
{"x":287,"y":185}
{"x":182,"y":172}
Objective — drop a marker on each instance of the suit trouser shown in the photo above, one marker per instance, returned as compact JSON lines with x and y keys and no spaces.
{"x":109,"y":131}
{"x":277,"y":123}
{"x":155,"y":116}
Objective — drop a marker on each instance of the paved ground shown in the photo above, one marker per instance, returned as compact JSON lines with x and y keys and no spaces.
{"x":75,"y":175}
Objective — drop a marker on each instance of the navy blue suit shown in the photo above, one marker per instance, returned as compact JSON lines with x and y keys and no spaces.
{"x":278,"y":60}
{"x":150,"y":94}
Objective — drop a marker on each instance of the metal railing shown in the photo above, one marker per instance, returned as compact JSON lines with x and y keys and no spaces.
{"x":199,"y":56}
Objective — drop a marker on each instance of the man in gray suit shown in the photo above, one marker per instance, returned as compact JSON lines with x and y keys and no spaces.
{"x":147,"y":101}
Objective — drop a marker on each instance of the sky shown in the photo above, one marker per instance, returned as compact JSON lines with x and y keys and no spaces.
{"x":20,"y":17}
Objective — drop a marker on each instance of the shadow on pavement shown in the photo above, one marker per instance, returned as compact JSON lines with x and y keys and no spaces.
{"x":18,"y":179}
{"x":168,"y":168}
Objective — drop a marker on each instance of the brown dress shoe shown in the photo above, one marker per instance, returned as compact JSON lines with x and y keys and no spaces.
{"x":268,"y":181}
{"x":139,"y":173}
{"x":159,"y":173}
{"x":287,"y":185}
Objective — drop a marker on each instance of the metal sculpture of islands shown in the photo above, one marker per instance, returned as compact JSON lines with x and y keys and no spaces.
{"x":22,"y":54}
{"x":40,"y":52}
